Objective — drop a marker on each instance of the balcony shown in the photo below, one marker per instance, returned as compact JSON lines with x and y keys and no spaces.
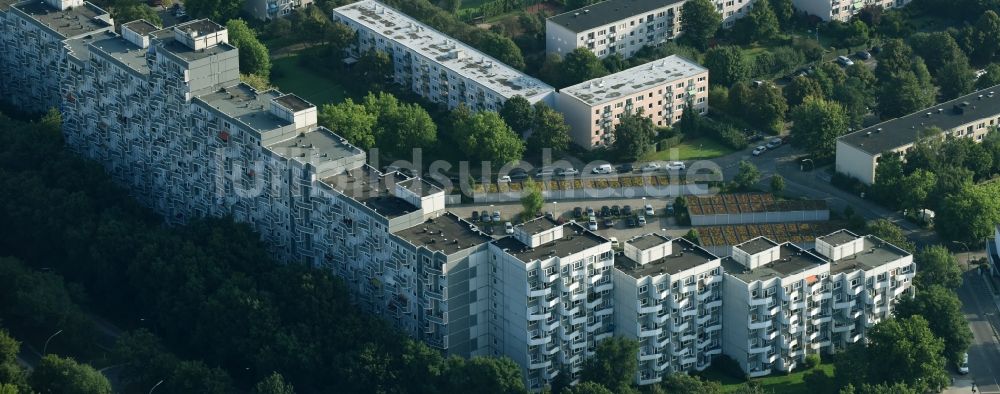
{"x":761,"y":301}
{"x":603,"y":286}
{"x":759,"y":348}
{"x":655,"y":308}
{"x":537,"y":339}
{"x":843,"y":304}
{"x":899,"y":290}
{"x":705,"y":295}
{"x":691,"y":288}
{"x":881,"y":284}
{"x":647,"y":353}
{"x":649,"y":331}
{"x":702,"y":319}
{"x":759,"y":324}
{"x":539,"y":364}
{"x":691,"y":312}
{"x":770,"y":336}
{"x":714,"y":303}
{"x":683,"y":303}
{"x":842,"y":328}
{"x":578,"y":320}
{"x":540,"y":292}
{"x":595,"y":303}
{"x":677,"y":328}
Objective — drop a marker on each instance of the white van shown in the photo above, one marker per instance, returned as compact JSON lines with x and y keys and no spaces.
{"x":604,"y":169}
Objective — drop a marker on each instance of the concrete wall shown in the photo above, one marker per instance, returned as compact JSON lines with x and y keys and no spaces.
{"x":623,"y":192}
{"x":855,"y":162}
{"x":760,"y":217}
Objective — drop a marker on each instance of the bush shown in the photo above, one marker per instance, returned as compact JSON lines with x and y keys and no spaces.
{"x":726,"y":134}
{"x":848,"y":183}
{"x":812,"y":361}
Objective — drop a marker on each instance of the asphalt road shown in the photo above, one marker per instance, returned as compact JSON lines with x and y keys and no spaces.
{"x":980,"y":309}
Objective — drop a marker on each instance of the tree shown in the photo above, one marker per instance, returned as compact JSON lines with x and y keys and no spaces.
{"x":55,"y":374}
{"x":581,"y":65}
{"x":905,"y":350}
{"x":501,"y":48}
{"x":614,"y":364}
{"x":699,"y":21}
{"x":800,"y":88}
{"x":896,"y":388}
{"x":914,"y":189}
{"x":531,"y":199}
{"x":985,"y":40}
{"x":816,"y":125}
{"x":777,"y":184}
{"x":351,"y":121}
{"x":485,"y":135}
{"x":891,"y":233}
{"x":254,"y":58}
{"x":273,"y":384}
{"x":518,"y":114}
{"x":895,"y":58}
{"x":682,"y":383}
{"x":903,"y":94}
{"x":955,"y":78}
{"x":220,"y":11}
{"x":451,"y":6}
{"x":726,"y":64}
{"x":747,"y":176}
{"x":587,"y":388}
{"x":937,"y":266}
{"x":400,"y":127}
{"x":124,"y":11}
{"x":969,"y":215}
{"x":256,"y":81}
{"x":936,"y":49}
{"x":694,"y":236}
{"x":374,"y":66}
{"x":855,"y":33}
{"x":767,"y":108}
{"x":549,"y":130}
{"x":10,"y":370}
{"x":783,"y":10}
{"x":634,"y":135}
{"x":486,"y":374}
{"x":943,"y":311}
{"x":763,"y":22}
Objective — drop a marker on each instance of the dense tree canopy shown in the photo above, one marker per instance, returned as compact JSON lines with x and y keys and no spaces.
{"x":816,"y":125}
{"x":55,"y":374}
{"x":899,"y":350}
{"x":699,"y":21}
{"x":485,"y":136}
{"x":613,"y":365}
{"x":531,"y":199}
{"x":943,"y":311}
{"x":351,"y":121}
{"x":746,"y":176}
{"x":518,"y":113}
{"x":254,"y":58}
{"x":727,"y":65}
{"x":634,"y":136}
{"x":549,"y":130}
{"x":970,"y":214}
{"x":220,"y":11}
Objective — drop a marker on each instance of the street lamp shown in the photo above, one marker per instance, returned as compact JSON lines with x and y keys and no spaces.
{"x":812,"y":166}
{"x":46,"y":347}
{"x":155,"y":386}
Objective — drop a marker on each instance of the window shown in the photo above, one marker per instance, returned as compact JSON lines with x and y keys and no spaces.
{"x":643,"y":288}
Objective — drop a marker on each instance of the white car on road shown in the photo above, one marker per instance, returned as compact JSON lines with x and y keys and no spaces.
{"x":649,"y":210}
{"x":759,"y":150}
{"x":567,"y":171}
{"x":508,"y":228}
{"x":603,"y":169}
{"x":592,"y":224}
{"x":650,"y":167}
{"x":676,"y":166}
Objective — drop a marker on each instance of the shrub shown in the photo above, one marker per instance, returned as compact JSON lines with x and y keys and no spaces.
{"x":812,"y":361}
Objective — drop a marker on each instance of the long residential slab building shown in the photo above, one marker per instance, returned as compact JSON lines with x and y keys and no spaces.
{"x":435,"y":66}
{"x":970,"y":116}
{"x":163,"y":110}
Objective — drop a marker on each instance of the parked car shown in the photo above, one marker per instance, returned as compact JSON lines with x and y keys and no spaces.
{"x":592,"y":224}
{"x":625,"y":168}
{"x":863,"y":55}
{"x":670,"y":209}
{"x":577,"y":212}
{"x":649,"y":210}
{"x":630,"y":221}
{"x":614,"y":242}
{"x":609,"y":223}
{"x":845,"y":61}
{"x":485,"y":217}
{"x":567,"y":171}
{"x":496,"y":216}
{"x":774,"y":143}
{"x":676,"y":166}
{"x":642,"y":221}
{"x":603,"y":169}
{"x":590,"y":212}
{"x":180,"y":13}
{"x":605,"y":211}
{"x":545,"y":172}
{"x":505,"y":178}
{"x":759,"y":150}
{"x":508,"y":228}
{"x":615,"y":211}
{"x":627,"y":210}
{"x":963,"y":366}
{"x":475,"y":216}
{"x":518,"y":174}
{"x":650,"y":167}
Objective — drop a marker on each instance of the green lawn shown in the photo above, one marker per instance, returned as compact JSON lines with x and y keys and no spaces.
{"x":695,"y":149}
{"x":792,"y":383}
{"x":317,"y":88}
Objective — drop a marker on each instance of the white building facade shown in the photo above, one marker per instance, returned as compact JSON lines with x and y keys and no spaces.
{"x":842,"y":10}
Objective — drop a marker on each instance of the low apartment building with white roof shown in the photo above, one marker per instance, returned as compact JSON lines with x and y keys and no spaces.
{"x":668,"y":296}
{"x":434,"y":65}
{"x":660,"y":89}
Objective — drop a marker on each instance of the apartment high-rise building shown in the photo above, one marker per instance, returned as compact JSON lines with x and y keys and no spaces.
{"x":622,"y":27}
{"x":668,"y":296}
{"x":660,"y":89}
{"x":434,"y":65}
{"x":552,"y":302}
{"x":842,"y":10}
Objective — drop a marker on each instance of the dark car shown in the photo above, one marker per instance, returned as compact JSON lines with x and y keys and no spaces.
{"x":627,"y":210}
{"x":670,"y":209}
{"x":609,"y":223}
{"x":577,"y":212}
{"x":615,"y":211}
{"x":630,"y":221}
{"x":625,"y":168}
{"x":485,"y":216}
{"x":863,"y":55}
{"x":475,"y":216}
{"x":605,"y":211}
{"x":518,"y":174}
{"x":876,"y":50}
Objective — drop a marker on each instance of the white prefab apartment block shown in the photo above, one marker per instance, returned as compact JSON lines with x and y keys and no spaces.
{"x":434,"y":65}
{"x":660,"y":89}
{"x":783,"y":303}
{"x":842,"y":10}
{"x":970,"y":116}
{"x":552,"y":301}
{"x":270,"y":9}
{"x":624,"y":26}
{"x":668,"y":296}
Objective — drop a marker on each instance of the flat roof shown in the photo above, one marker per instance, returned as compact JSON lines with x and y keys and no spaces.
{"x":447,"y":234}
{"x":686,"y":255}
{"x":793,"y":260}
{"x":200,"y":27}
{"x":647,"y":241}
{"x":244,"y":103}
{"x":141,"y":26}
{"x":794,"y":232}
{"x":606,"y":12}
{"x":639,"y":78}
{"x":756,"y":245}
{"x":70,"y":22}
{"x":167,"y":41}
{"x":368,"y":186}
{"x":839,"y":237}
{"x":79,"y":48}
{"x":575,"y":239}
{"x":125,"y":52}
{"x":537,"y":225}
{"x":314,"y":146}
{"x":749,"y":202}
{"x":903,"y":131}
{"x":876,"y":253}
{"x":450,"y":53}
{"x":293,"y":102}
{"x":419,"y":186}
